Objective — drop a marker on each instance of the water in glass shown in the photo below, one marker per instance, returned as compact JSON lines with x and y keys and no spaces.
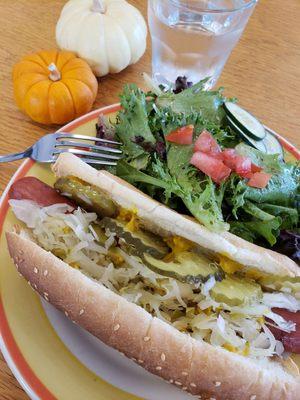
{"x":194,"y":38}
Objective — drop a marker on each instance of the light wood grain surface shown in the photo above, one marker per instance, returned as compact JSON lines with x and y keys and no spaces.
{"x":263,"y":72}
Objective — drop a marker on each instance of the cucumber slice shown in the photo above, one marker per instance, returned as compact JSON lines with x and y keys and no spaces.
{"x":273,"y":145}
{"x":259,"y":145}
{"x":250,"y":125}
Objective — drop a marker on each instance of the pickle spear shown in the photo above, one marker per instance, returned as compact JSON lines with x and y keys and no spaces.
{"x":86,"y":196}
{"x":187,"y":267}
{"x":139,"y":240}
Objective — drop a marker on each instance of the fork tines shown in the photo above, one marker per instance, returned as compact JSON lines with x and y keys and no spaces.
{"x":106,"y":154}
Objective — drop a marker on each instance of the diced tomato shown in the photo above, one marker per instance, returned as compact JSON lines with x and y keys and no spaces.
{"x":229,"y":158}
{"x":241,"y":165}
{"x":255,"y":168}
{"x":290,"y":341}
{"x":211,"y":166}
{"x":183,"y":135}
{"x":207,"y":144}
{"x":259,"y":180}
{"x":248,"y":175}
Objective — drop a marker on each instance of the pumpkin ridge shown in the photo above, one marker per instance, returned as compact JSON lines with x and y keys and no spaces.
{"x":56,"y":57}
{"x":45,"y":61}
{"x":65,"y":65}
{"x":36,"y":63}
{"x":78,"y":80}
{"x":128,"y":43}
{"x":73,"y":69}
{"x":28,"y":94}
{"x":48,"y":103}
{"x":45,"y":64}
{"x":73,"y":100}
{"x":28,"y":90}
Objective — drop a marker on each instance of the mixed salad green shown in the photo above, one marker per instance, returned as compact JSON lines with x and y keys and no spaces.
{"x":267,"y":216}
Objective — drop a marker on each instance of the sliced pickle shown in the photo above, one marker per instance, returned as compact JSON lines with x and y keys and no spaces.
{"x":139,"y":240}
{"x":102,"y":238}
{"x":187,"y":267}
{"x":235,"y":292}
{"x":284,"y":284}
{"x":86,"y":196}
{"x":113,"y":252}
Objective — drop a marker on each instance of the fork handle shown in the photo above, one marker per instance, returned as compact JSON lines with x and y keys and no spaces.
{"x":15,"y":156}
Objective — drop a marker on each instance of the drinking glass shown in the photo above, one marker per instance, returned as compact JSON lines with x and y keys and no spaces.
{"x":194,"y":38}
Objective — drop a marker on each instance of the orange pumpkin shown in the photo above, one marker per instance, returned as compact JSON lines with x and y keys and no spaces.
{"x":54,"y":87}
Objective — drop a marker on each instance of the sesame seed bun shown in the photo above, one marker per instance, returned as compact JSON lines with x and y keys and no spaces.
{"x":191,"y":365}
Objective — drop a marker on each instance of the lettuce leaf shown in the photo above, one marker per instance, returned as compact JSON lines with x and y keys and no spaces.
{"x":201,"y":197}
{"x":132,"y":121}
{"x":195,"y":99}
{"x":255,"y":229}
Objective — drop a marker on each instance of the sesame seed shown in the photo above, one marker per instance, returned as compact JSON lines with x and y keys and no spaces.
{"x":140,"y":361}
{"x":193,"y":384}
{"x":253,"y":397}
{"x":217,"y":384}
{"x":66,"y":314}
{"x":171,"y":380}
{"x":17,"y":266}
{"x":184,"y":373}
{"x":184,"y":388}
{"x":146,"y":338}
{"x":46,"y":294}
{"x":81,"y":311}
{"x":35,"y":270}
{"x":212,"y":398}
{"x":133,"y":359}
{"x":163,"y":357}
{"x":178,"y":383}
{"x":34,"y":285}
{"x":158,"y":368}
{"x":116,"y":327}
{"x":45,"y":272}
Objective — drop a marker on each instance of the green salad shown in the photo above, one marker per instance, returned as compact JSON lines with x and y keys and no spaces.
{"x":184,"y":149}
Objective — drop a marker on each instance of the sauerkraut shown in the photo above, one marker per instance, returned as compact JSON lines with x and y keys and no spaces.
{"x":72,"y":237}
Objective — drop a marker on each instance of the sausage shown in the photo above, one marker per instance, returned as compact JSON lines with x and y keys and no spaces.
{"x":290,"y":341}
{"x":30,"y":188}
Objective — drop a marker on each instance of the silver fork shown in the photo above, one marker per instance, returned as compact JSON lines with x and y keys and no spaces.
{"x":48,"y":148}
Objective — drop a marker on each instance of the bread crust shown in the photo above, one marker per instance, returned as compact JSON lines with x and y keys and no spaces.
{"x":192,"y":365}
{"x":173,"y":223}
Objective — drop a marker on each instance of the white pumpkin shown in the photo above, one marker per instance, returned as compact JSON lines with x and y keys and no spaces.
{"x":108,"y":34}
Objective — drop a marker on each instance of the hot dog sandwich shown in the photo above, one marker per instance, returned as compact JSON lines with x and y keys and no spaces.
{"x":210,"y":313}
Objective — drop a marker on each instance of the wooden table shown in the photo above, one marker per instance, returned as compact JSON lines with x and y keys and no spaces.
{"x":263,"y":72}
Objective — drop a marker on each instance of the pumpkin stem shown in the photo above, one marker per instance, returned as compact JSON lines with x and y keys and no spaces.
{"x":54,"y":72}
{"x":99,"y":6}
